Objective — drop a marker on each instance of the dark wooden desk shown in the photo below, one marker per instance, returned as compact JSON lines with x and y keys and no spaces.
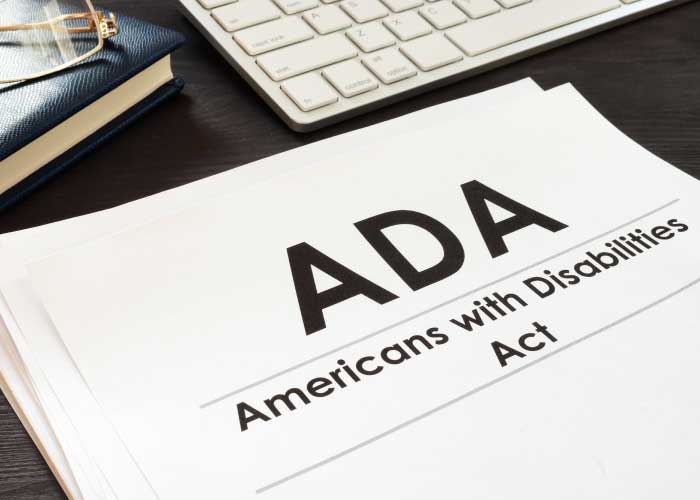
{"x":645,"y":77}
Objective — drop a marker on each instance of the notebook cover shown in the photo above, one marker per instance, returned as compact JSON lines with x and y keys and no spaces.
{"x":38,"y":178}
{"x":30,"y":109}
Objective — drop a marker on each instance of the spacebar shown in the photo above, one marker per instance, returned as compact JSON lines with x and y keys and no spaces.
{"x":522,"y":22}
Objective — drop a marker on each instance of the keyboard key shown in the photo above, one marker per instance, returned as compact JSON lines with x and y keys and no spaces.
{"x":306,"y":56}
{"x":477,"y":9}
{"x":509,"y":4}
{"x":401,"y":5}
{"x":371,"y":37}
{"x":210,"y":4}
{"x":245,"y":13}
{"x":327,"y":19}
{"x":296,"y":6}
{"x":407,"y":26}
{"x":390,"y":66}
{"x":431,"y":52}
{"x":350,"y":78}
{"x":309,"y":92}
{"x":363,"y":11}
{"x":443,"y":14}
{"x":273,"y":35}
{"x":528,"y":20}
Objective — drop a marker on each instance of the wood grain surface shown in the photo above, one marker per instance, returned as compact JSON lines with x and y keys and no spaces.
{"x":644,"y":76}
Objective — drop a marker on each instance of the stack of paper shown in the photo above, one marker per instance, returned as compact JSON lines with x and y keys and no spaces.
{"x":495,"y":298}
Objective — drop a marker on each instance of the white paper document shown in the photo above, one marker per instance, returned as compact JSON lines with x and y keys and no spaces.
{"x":496,"y":308}
{"x":37,"y":374}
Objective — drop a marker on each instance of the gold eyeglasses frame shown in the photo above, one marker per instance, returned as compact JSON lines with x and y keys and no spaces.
{"x":104,"y":25}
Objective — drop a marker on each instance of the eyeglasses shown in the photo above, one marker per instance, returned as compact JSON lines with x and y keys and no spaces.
{"x":42,"y":37}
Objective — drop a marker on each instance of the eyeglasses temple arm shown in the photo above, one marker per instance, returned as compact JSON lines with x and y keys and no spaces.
{"x":106,"y":26}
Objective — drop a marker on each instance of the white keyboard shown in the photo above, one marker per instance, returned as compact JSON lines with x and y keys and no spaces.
{"x":317,"y":62}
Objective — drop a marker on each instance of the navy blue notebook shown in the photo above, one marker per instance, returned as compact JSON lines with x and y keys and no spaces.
{"x":32,"y":109}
